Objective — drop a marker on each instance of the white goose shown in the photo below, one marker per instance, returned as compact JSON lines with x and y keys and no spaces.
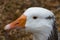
{"x":39,"y":21}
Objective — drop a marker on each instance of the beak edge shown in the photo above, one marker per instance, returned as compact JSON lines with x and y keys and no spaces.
{"x":7,"y":27}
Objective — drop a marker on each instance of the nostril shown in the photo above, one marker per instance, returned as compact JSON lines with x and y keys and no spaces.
{"x":17,"y":23}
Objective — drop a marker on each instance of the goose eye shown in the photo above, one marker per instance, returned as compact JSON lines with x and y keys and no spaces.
{"x":34,"y":17}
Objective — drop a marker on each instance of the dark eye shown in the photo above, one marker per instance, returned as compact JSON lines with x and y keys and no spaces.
{"x":49,"y":17}
{"x":35,"y":17}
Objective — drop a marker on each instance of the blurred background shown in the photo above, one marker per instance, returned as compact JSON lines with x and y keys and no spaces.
{"x":12,"y":9}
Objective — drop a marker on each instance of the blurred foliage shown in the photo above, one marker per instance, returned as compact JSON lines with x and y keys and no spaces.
{"x":12,"y":9}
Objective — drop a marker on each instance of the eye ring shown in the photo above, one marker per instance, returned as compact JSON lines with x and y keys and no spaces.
{"x":35,"y":17}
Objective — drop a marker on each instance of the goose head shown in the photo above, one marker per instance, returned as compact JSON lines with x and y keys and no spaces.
{"x":35,"y":20}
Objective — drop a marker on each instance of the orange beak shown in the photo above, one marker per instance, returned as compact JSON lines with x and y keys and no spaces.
{"x":20,"y":22}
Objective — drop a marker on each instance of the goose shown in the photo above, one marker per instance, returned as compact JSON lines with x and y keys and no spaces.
{"x":37,"y":20}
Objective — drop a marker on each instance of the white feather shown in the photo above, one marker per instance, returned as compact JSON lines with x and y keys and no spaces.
{"x":40,"y":27}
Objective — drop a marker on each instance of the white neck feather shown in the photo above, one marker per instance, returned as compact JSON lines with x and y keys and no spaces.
{"x":41,"y":36}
